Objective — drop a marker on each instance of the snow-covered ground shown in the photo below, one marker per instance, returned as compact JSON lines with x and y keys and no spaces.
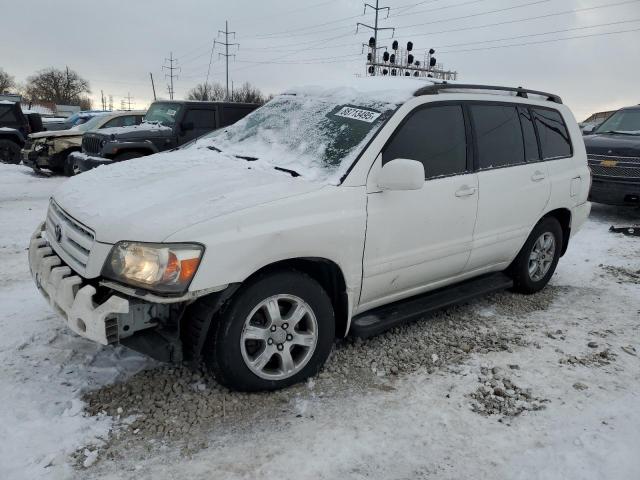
{"x":414,"y":403}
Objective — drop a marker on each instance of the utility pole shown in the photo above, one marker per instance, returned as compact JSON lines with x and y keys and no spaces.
{"x":375,"y":29}
{"x":171,"y":75}
{"x":128,"y":100}
{"x":153,"y":86}
{"x":226,"y":53}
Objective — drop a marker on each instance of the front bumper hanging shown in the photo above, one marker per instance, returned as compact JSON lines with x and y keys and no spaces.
{"x":71,"y":297}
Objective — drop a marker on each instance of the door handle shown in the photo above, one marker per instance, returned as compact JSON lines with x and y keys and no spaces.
{"x":538,"y":176}
{"x":465,"y":191}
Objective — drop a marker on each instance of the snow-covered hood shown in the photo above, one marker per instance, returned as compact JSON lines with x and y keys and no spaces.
{"x":72,"y":132}
{"x":150,"y":198}
{"x":144,"y":130}
{"x":613,"y":144}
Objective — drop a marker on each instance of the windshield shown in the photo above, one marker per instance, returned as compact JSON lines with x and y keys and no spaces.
{"x":623,"y":121}
{"x":163,"y":113}
{"x":314,"y":137}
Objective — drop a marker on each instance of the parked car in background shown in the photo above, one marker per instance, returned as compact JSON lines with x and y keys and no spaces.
{"x":324,"y":212}
{"x":14,"y":129}
{"x":51,"y":149}
{"x":613,"y":150}
{"x":74,"y":120}
{"x":166,"y":125}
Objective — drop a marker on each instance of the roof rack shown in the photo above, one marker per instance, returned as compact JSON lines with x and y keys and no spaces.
{"x":520,"y":92}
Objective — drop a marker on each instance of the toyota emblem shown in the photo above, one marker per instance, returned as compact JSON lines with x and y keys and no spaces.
{"x":58,"y":231}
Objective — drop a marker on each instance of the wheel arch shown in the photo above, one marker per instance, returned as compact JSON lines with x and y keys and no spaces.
{"x":324,"y":271}
{"x":563,"y":215}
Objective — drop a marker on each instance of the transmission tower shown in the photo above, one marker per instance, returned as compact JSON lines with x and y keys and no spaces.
{"x":171,"y":75}
{"x":127,"y":100}
{"x":226,"y":53}
{"x":373,"y":42}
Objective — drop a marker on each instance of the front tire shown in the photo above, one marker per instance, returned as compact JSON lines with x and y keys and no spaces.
{"x":9,"y":152}
{"x":535,"y":264}
{"x":275,"y":332}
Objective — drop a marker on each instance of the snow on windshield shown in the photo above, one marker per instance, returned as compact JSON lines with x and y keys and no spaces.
{"x":316,"y":132}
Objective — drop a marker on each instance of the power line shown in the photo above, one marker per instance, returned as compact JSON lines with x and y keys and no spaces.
{"x":446,"y":7}
{"x":538,"y":34}
{"x":544,"y":41}
{"x":537,"y":17}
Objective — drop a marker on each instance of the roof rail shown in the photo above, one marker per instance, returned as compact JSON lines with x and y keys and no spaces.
{"x":520,"y":92}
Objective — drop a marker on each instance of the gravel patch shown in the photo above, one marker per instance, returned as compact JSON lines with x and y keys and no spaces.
{"x":499,"y":395}
{"x":596,"y":359}
{"x":623,"y":275}
{"x":181,"y":406}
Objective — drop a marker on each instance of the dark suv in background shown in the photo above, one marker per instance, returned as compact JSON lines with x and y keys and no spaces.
{"x":15,"y":128}
{"x":167,"y":125}
{"x":613,"y":150}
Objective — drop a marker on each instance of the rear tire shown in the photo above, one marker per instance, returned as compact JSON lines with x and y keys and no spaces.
{"x":276,"y":331}
{"x":9,"y":152}
{"x":535,"y":264}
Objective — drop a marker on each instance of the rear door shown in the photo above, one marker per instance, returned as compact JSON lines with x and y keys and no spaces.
{"x":202,"y":121}
{"x":514,"y":185}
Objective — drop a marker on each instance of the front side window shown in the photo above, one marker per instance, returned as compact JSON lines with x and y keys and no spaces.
{"x":7,"y":114}
{"x":124,"y":121}
{"x":554,"y":136}
{"x":498,"y":135}
{"x":434,"y":136}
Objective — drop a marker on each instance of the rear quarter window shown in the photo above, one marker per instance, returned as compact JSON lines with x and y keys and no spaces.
{"x":555,"y":141}
{"x":7,"y":114}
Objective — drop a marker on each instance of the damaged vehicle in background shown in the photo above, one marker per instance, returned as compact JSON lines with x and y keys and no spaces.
{"x":327,"y":211}
{"x":167,"y":125}
{"x":613,"y":150}
{"x":50,"y":149}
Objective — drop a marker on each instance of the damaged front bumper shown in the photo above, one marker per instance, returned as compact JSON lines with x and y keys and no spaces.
{"x":71,"y":296}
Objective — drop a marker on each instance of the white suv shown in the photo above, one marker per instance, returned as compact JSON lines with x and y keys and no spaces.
{"x":325,"y":212}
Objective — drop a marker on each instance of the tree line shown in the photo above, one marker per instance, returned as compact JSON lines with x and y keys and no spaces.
{"x":53,"y":86}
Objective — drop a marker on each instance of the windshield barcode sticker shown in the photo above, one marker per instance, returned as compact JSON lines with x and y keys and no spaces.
{"x":358,"y":114}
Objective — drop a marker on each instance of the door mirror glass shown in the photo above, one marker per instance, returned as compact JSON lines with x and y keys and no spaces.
{"x":588,"y":129}
{"x":401,"y":174}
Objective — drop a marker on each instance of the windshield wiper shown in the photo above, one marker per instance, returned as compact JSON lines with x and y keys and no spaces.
{"x":620,"y":132}
{"x":293,"y":173}
{"x":247,"y":158}
{"x":214,"y":148}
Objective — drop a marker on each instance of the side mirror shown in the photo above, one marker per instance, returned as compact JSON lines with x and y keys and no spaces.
{"x":401,"y":174}
{"x":588,"y":130}
{"x":186,"y":126}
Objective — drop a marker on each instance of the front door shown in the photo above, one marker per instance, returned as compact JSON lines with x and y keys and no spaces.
{"x":418,"y":239}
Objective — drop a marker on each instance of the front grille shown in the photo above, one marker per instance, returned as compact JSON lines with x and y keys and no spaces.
{"x":91,"y":144}
{"x":70,"y":236}
{"x":618,"y":167}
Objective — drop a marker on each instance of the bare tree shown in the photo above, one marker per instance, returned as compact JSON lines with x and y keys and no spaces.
{"x":63,"y":87}
{"x":247,"y":93}
{"x":207,"y":92}
{"x":216,"y":92}
{"x":7,"y":82}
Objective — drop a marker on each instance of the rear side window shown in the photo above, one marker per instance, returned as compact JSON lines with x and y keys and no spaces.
{"x":498,"y":135}
{"x":554,"y":136}
{"x":436,"y":137}
{"x":531,"y":151}
{"x":202,"y":119}
{"x":233,"y":114}
{"x":7,"y":114}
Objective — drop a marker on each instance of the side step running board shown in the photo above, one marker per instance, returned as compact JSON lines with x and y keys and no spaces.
{"x":378,"y":320}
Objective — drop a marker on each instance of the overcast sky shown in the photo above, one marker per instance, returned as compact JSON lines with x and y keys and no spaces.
{"x":116,"y":43}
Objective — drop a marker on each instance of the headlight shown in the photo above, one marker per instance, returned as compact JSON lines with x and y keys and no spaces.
{"x":161,"y":267}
